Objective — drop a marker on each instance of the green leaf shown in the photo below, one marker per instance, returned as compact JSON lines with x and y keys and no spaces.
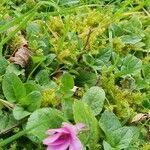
{"x":33,"y":29}
{"x":13,"y":87}
{"x":132,"y":27}
{"x":109,"y":122}
{"x":94,"y":63}
{"x":130,"y":65}
{"x":146,"y":72}
{"x":136,"y":22}
{"x":42,"y":77}
{"x":19,"y":113}
{"x":83,"y":114}
{"x":32,"y":101}
{"x":141,"y":83}
{"x":131,"y":39}
{"x":146,"y":103}
{"x":116,"y":30}
{"x":69,"y":2}
{"x":43,"y":119}
{"x":6,"y":120}
{"x":12,"y":68}
{"x":3,"y":65}
{"x":99,"y":61}
{"x":135,"y":132}
{"x":107,"y":146}
{"x":32,"y":86}
{"x":67,"y":105}
{"x":86,"y":77}
{"x":116,"y":136}
{"x":67,"y":82}
{"x":147,"y":38}
{"x":49,"y":59}
{"x":121,"y":138}
{"x":38,"y":59}
{"x":104,"y":54}
{"x":88,"y":59}
{"x":95,"y":98}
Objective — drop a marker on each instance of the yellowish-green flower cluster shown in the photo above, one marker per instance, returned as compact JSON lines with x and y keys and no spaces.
{"x":49,"y":98}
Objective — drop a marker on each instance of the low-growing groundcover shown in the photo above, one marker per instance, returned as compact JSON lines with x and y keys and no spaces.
{"x":75,"y":61}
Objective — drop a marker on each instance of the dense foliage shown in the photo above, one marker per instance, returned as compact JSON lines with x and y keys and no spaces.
{"x":75,"y":61}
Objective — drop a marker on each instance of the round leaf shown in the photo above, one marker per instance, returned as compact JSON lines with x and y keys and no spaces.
{"x":95,"y":98}
{"x":42,"y":120}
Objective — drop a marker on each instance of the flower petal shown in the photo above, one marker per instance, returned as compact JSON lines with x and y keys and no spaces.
{"x":79,"y":127}
{"x":62,"y":139}
{"x":53,"y":131}
{"x":51,"y":139}
{"x":75,"y":144}
{"x":73,"y":129}
{"x":63,"y":146}
{"x":65,"y":137}
{"x":70,"y":128}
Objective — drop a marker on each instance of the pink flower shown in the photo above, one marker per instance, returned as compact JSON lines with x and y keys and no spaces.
{"x":64,"y":138}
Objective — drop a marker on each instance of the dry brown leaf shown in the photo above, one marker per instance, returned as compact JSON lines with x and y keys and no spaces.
{"x":21,"y":57}
{"x":140,"y":117}
{"x":21,"y":53}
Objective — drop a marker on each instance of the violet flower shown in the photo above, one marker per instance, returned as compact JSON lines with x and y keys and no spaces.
{"x":64,"y":138}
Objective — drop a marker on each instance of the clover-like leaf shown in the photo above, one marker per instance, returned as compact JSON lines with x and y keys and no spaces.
{"x":19,"y":113}
{"x":95,"y":98}
{"x":83,"y":113}
{"x":109,"y":122}
{"x":41,"y":120}
{"x":13,"y":87}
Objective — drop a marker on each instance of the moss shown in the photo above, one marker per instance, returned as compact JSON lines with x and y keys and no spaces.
{"x":124,"y":101}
